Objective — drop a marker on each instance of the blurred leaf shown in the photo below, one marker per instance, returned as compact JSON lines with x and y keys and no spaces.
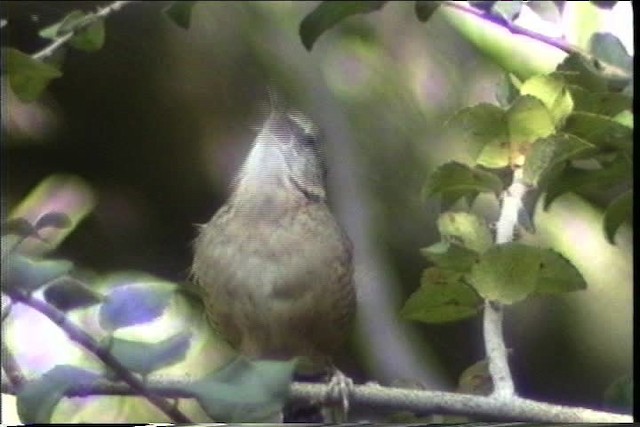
{"x":465,"y":229}
{"x":18,"y":227}
{"x":37,"y":400}
{"x":454,"y":180}
{"x":329,"y":13}
{"x":625,"y":118}
{"x":90,"y":38}
{"x":610,"y":50}
{"x":244,"y":391}
{"x":180,"y":13}
{"x":129,"y":305}
{"x":552,"y":91}
{"x":546,"y":153}
{"x":424,"y":9}
{"x":443,"y":296}
{"x":557,"y":275}
{"x":450,"y":256}
{"x":53,"y":219}
{"x":577,"y":70}
{"x":484,"y":5}
{"x":476,"y":379}
{"x":618,"y":397}
{"x":146,"y":357}
{"x":507,"y":10}
{"x":507,"y":90}
{"x":527,"y":120}
{"x":67,"y":293}
{"x":68,"y":24}
{"x":600,"y":103}
{"x":617,"y":213}
{"x":600,"y":130}
{"x":28,"y":77}
{"x":506,"y":273}
{"x":604,"y":4}
{"x":25,"y":274}
{"x":546,"y":10}
{"x":580,"y":20}
{"x":483,"y":130}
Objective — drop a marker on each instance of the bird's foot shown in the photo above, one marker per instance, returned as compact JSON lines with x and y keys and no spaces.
{"x":337,"y":396}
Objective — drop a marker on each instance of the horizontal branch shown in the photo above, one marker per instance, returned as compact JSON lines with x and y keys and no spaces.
{"x":379,"y":397}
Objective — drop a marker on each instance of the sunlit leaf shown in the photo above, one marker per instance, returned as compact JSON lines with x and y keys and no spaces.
{"x":552,"y":91}
{"x":617,"y":213}
{"x":443,"y":296}
{"x":146,"y":357}
{"x":37,"y":400}
{"x":625,"y":118}
{"x":67,"y":293}
{"x":68,"y":24}
{"x":244,"y":391}
{"x":28,"y":77}
{"x":329,"y":13}
{"x":527,"y":120}
{"x":557,"y":275}
{"x":134,"y":304}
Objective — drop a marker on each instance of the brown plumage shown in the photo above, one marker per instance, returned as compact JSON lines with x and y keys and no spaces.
{"x":274,"y":266}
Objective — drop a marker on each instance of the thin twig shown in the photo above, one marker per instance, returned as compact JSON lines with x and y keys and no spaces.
{"x":11,"y":367}
{"x":90,"y":19}
{"x":377,"y":397}
{"x":86,"y":341}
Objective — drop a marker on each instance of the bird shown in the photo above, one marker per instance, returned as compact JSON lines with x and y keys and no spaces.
{"x":274,"y":267}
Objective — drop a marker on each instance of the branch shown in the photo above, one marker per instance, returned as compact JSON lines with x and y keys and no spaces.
{"x":86,"y":341}
{"x":378,"y":397}
{"x":90,"y":19}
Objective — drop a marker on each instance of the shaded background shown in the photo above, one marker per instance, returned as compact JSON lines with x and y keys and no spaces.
{"x":159,"y":120}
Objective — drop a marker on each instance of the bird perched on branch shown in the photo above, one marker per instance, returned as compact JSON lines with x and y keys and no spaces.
{"x":273,"y":265}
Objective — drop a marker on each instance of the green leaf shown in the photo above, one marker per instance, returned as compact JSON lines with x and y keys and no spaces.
{"x":546,"y":153}
{"x":28,"y":77}
{"x":180,"y":13}
{"x":37,"y":400}
{"x":68,"y":24}
{"x":67,"y":293}
{"x":244,"y":391}
{"x":546,"y":10}
{"x":424,"y":9}
{"x":91,"y":38}
{"x":602,"y":131}
{"x":610,"y":50}
{"x":580,"y":20}
{"x":507,"y":90}
{"x":557,"y":275}
{"x":552,"y":91}
{"x":450,"y":256}
{"x":53,"y":219}
{"x":328,"y":14}
{"x":527,"y":120}
{"x":146,"y":357}
{"x":26,"y":274}
{"x":589,"y":183}
{"x":600,"y":103}
{"x":618,"y":397}
{"x":465,"y":229}
{"x":483,"y":130}
{"x":506,"y":273}
{"x":133,"y":304}
{"x":579,"y":71}
{"x":617,"y":213}
{"x":443,"y":296}
{"x":625,"y":118}
{"x":454,"y":180}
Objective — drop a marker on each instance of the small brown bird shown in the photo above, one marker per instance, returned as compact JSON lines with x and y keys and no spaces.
{"x":274,"y":266}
